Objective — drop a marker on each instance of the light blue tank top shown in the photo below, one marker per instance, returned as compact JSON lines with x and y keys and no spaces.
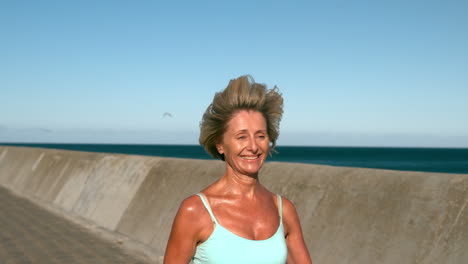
{"x":225,"y":247}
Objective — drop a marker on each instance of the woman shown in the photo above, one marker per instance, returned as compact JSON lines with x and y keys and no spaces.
{"x":236,"y":219}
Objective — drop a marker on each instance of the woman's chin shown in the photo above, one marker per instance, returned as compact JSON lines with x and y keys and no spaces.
{"x":249,"y":167}
{"x":252,"y":169}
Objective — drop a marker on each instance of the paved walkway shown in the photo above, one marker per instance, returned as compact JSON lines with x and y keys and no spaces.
{"x":30,"y":234}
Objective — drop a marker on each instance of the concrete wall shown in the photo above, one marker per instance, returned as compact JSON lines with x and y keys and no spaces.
{"x":348,"y":215}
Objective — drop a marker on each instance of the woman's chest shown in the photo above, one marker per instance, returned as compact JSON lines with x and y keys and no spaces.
{"x":248,"y":222}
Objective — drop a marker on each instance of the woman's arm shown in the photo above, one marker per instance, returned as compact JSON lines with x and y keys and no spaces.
{"x":297,"y":249}
{"x":185,"y":232}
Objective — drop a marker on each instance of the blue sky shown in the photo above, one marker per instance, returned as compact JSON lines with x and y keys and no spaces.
{"x":352,"y":73}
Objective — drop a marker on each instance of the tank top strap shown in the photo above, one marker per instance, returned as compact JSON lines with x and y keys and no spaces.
{"x":207,"y":206}
{"x":280,"y":207}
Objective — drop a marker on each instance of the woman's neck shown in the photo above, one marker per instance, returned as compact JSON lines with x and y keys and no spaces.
{"x":239,"y":184}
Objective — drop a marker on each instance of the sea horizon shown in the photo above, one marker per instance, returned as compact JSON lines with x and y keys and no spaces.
{"x":184,"y":144}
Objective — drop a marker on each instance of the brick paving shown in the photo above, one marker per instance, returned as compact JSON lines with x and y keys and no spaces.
{"x":31,"y":234}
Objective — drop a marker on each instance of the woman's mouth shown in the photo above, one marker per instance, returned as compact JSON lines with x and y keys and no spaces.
{"x":252,"y":157}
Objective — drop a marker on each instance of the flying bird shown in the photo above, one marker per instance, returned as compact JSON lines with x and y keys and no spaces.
{"x":167,"y":114}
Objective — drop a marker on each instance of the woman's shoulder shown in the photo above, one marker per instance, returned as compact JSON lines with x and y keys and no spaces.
{"x":287,"y":204}
{"x":192,"y":215}
{"x":288,"y":207}
{"x":290,"y":216}
{"x":192,"y":205}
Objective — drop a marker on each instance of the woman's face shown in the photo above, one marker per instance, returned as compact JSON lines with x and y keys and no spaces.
{"x":245,"y":142}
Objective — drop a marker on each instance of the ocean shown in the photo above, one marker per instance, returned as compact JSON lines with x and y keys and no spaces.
{"x":445,"y":160}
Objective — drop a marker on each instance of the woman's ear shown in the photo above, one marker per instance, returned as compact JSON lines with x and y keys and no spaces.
{"x":220,"y":148}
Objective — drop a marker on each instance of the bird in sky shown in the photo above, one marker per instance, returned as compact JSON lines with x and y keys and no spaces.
{"x":167,"y":114}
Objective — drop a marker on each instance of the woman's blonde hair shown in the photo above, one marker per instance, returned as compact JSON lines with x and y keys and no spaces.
{"x":242,"y":93}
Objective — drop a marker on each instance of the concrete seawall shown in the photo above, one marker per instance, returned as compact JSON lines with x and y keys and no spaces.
{"x":349,"y":215}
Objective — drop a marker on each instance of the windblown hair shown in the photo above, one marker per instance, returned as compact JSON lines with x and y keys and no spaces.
{"x":242,"y":93}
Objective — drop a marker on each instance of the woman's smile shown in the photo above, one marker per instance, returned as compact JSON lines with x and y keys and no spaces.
{"x":251,"y":157}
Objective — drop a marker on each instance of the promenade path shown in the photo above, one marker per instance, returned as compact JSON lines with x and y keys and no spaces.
{"x":31,"y":234}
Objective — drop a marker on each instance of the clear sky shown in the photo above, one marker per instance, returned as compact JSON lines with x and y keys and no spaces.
{"x":352,"y":73}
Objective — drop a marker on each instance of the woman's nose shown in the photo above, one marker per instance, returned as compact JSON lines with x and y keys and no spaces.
{"x":253,"y":146}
